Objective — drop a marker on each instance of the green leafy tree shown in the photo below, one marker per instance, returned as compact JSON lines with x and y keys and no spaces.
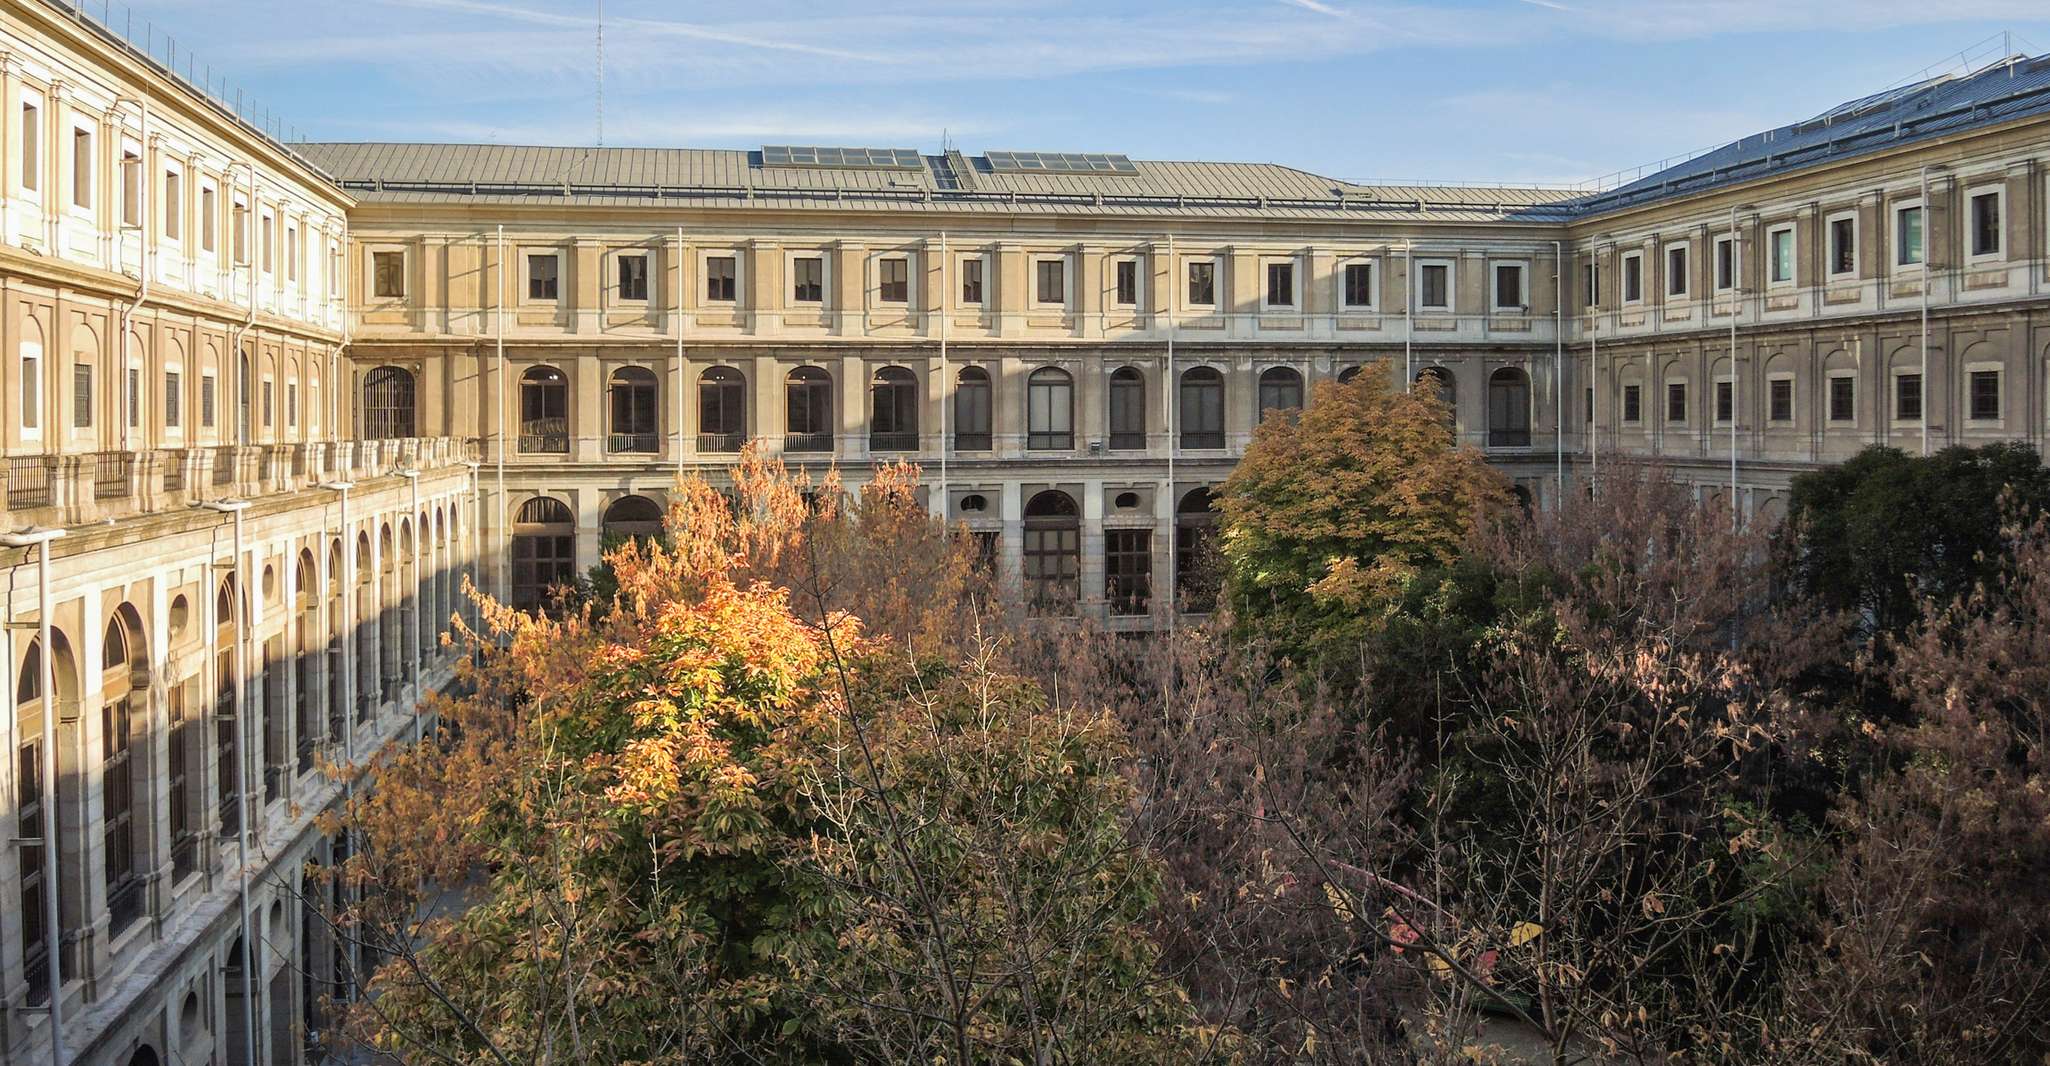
{"x":1333,"y":514}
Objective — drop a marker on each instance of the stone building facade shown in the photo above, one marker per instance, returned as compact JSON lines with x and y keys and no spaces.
{"x":266,"y":406}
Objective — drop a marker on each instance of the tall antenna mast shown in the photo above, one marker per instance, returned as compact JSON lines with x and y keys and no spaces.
{"x":601,"y":73}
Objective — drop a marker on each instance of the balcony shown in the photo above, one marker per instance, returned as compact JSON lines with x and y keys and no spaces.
{"x":83,"y":488}
{"x":1202,"y":439}
{"x":1039,"y":441}
{"x":632,"y":443}
{"x":721,"y":442}
{"x":807,"y":442}
{"x":893,"y":442}
{"x":544,"y":436}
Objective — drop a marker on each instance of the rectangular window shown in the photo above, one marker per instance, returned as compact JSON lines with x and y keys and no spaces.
{"x":1843,"y":245}
{"x":1907,"y":229}
{"x":1053,"y":281}
{"x":541,"y":277}
{"x":134,"y":397}
{"x":241,"y":235}
{"x":1633,"y":403}
{"x":1725,"y":400}
{"x":1676,"y":271}
{"x":206,"y":401}
{"x":633,"y":277}
{"x":971,"y":281}
{"x":31,"y":391}
{"x":1128,"y":282}
{"x":1843,"y":394}
{"x":895,"y":279}
{"x":31,"y":143}
{"x":1780,"y":398}
{"x":1359,"y":285}
{"x":1434,"y":287}
{"x":1986,"y":223}
{"x":1676,"y":401}
{"x":269,"y":406}
{"x":291,"y":403}
{"x":1907,"y":398}
{"x":131,"y":189}
{"x":1128,"y":569}
{"x":1725,"y":264}
{"x":82,"y":167}
{"x":207,"y":207}
{"x":269,"y":238}
{"x":173,"y":205}
{"x":1593,"y":284}
{"x":388,"y":274}
{"x":1782,"y":255}
{"x":173,"y":400}
{"x":808,"y":280}
{"x":1985,"y":394}
{"x":1509,"y":286}
{"x":81,"y":395}
{"x":291,"y":253}
{"x":721,"y":274}
{"x":1281,"y":284}
{"x":1633,"y":278}
{"x":1203,"y":284}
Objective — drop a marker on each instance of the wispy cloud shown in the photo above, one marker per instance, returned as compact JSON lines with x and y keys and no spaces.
{"x":1315,"y":5}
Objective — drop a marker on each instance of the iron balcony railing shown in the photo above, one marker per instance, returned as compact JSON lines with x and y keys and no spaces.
{"x":807,"y":442}
{"x":893,"y":442}
{"x":632,"y":443}
{"x":721,"y":442}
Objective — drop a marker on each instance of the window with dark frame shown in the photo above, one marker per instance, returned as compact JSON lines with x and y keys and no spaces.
{"x":1053,"y":281}
{"x":1633,"y":278}
{"x":722,"y":410}
{"x":971,"y":281}
{"x":1725,"y":400}
{"x":893,"y":281}
{"x":808,"y":410}
{"x":1049,"y":410}
{"x":808,"y":279}
{"x":1782,"y":255}
{"x":720,"y":274}
{"x":81,"y":395}
{"x":1725,"y":263}
{"x":388,"y":270}
{"x":633,"y":277}
{"x":1843,"y":245}
{"x":206,"y":401}
{"x":1986,"y":223}
{"x":1779,"y":395}
{"x":1128,"y":282}
{"x":1907,"y":398}
{"x":893,"y":410}
{"x":1676,"y":271}
{"x":1633,"y":403}
{"x":172,"y":413}
{"x":1985,"y":394}
{"x":541,"y":277}
{"x":972,"y":410}
{"x":1434,"y":286}
{"x":31,"y":392}
{"x":1281,"y":284}
{"x":1128,"y":570}
{"x":1359,"y":285}
{"x":1676,"y":401}
{"x":1509,"y":286}
{"x":1203,"y":283}
{"x":1907,"y":224}
{"x":1127,"y":409}
{"x":1200,"y":408}
{"x":1843,"y":394}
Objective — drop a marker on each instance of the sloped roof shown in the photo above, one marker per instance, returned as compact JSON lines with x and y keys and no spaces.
{"x":2016,"y":87}
{"x":389,"y":172}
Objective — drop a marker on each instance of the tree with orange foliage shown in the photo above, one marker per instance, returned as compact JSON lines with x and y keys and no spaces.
{"x":1334,"y":512}
{"x":730,"y":821}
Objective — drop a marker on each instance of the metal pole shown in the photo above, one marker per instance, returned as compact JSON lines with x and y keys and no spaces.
{"x":1735,"y":312}
{"x":946,"y":378}
{"x":680,"y":393}
{"x":45,"y":629}
{"x":1168,"y":391}
{"x":504,"y":389}
{"x":1926,"y":214}
{"x":1559,"y":370}
{"x":1408,"y":315}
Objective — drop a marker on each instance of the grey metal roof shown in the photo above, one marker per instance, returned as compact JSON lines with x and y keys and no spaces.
{"x":2016,"y":87}
{"x":393,"y":173}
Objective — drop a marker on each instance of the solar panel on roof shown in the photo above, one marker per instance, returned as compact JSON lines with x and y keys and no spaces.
{"x":1060,"y":163}
{"x":786,"y":155}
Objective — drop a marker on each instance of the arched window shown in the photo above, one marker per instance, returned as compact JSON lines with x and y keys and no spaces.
{"x":1049,"y":409}
{"x":1509,"y":408}
{"x":722,"y":410}
{"x":635,"y":413}
{"x":893,"y":410}
{"x":1128,"y":565}
{"x":1198,"y":573}
{"x":1053,"y":551}
{"x":1441,"y":380}
{"x":1345,"y":376}
{"x":337,"y":677}
{"x":388,"y":404}
{"x":367,"y":690}
{"x":631,"y":516}
{"x":124,"y":681}
{"x":971,"y":410}
{"x":227,"y":733}
{"x":543,"y":551}
{"x":1281,"y":389}
{"x":1127,"y":409}
{"x":544,"y":411}
{"x":808,"y":411}
{"x":37,"y":812}
{"x":1202,"y":408}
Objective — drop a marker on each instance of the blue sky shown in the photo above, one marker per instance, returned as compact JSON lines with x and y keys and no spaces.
{"x":1527,"y":90}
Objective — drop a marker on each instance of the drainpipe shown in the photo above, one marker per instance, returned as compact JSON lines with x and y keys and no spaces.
{"x":1408,"y":316}
{"x":946,"y":379}
{"x":505,"y":390}
{"x":1928,"y":246}
{"x":1735,"y":313}
{"x":131,"y":399}
{"x":1169,"y":389}
{"x":343,"y":636}
{"x":241,"y":387}
{"x":419,"y":538}
{"x":1559,"y":370}
{"x":240,"y":607}
{"x":680,"y":393}
{"x":52,"y":931}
